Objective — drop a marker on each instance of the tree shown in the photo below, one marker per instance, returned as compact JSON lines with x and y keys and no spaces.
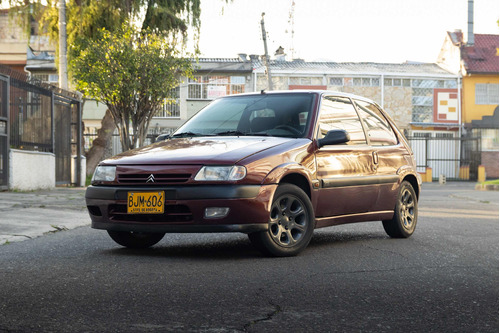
{"x":88,"y":17}
{"x":86,"y":20}
{"x":132,"y":72}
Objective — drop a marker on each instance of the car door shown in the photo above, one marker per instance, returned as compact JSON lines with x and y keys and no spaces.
{"x":344,"y":171}
{"x":387,"y":151}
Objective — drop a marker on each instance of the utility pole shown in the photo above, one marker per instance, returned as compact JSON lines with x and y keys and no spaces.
{"x":266,"y":55}
{"x":63,"y":61}
{"x":292,"y":27}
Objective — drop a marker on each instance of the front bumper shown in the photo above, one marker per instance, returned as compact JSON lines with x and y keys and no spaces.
{"x":184,"y":208}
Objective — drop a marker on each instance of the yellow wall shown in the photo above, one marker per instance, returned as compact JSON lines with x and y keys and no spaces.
{"x":471,"y":111}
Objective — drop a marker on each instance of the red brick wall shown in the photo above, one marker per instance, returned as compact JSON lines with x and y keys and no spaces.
{"x":490,"y":161}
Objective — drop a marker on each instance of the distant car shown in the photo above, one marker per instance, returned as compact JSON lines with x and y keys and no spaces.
{"x":272,"y":165}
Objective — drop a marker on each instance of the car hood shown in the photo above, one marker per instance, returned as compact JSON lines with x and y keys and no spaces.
{"x":199,"y":150}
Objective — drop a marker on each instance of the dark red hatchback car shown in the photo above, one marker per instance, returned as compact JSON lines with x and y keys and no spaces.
{"x":272,"y":165}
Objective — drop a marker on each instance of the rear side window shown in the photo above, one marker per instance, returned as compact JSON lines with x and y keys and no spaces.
{"x":339,"y":113}
{"x":377,"y":126}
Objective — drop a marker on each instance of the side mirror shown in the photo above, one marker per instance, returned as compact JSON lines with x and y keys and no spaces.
{"x":334,"y":137}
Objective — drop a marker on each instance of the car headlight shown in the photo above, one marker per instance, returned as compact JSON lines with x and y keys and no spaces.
{"x":220,"y":173}
{"x":104,"y":174}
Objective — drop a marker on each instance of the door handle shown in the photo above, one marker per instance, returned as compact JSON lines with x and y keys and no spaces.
{"x":375,"y":157}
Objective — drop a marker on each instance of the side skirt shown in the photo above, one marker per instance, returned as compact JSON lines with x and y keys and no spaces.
{"x":322,"y":222}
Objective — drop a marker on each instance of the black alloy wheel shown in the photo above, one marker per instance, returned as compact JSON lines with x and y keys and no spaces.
{"x":404,"y":222}
{"x":291,"y":223}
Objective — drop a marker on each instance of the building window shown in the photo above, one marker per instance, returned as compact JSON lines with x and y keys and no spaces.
{"x":212,"y":87}
{"x":49,"y":78}
{"x":305,"y":81}
{"x":357,"y":81}
{"x":423,"y":97}
{"x":336,"y":81}
{"x":489,"y":138}
{"x":486,"y":94}
{"x":171,"y":107}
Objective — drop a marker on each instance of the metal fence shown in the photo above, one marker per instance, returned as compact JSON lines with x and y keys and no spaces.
{"x":455,"y":158}
{"x":39,"y":117}
{"x":114,"y":146}
{"x":4,"y":132}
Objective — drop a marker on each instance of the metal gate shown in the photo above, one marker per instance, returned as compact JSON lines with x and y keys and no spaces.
{"x":4,"y":132}
{"x":66,"y":145}
{"x":456,"y":158}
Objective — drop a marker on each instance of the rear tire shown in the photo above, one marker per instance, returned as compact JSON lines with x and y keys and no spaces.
{"x":291,"y":224}
{"x":404,"y":222}
{"x":135,"y":240}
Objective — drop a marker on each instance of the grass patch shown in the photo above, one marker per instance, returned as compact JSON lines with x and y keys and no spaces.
{"x":87,"y":180}
{"x":490,"y":182}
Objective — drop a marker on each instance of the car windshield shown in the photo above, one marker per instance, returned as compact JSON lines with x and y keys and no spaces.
{"x":286,"y":115}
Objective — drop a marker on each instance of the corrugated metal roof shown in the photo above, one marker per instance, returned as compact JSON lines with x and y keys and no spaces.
{"x":222,"y":65}
{"x":301,"y":67}
{"x":353,"y":68}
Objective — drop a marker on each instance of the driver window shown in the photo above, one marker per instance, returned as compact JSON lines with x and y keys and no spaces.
{"x":339,"y":113}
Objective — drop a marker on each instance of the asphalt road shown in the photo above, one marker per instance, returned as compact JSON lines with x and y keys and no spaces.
{"x":351,"y":278}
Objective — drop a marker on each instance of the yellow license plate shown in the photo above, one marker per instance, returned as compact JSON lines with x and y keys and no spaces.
{"x":146,"y":202}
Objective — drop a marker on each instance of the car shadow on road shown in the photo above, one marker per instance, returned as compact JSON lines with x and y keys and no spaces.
{"x":236,"y":246}
{"x":228,"y":249}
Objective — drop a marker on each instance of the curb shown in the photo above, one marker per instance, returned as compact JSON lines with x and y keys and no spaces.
{"x":486,"y":187}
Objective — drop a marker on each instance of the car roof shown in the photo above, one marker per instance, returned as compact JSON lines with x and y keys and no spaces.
{"x":297,"y":91}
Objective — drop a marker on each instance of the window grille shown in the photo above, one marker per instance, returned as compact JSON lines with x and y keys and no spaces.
{"x":211,"y":87}
{"x":336,"y":81}
{"x":171,"y":106}
{"x":423,"y":97}
{"x":486,"y":94}
{"x":357,"y":81}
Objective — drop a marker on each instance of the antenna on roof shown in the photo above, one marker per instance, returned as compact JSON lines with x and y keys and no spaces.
{"x":262,"y":91}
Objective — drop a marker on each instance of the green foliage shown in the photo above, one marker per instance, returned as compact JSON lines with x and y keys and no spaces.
{"x":88,"y":17}
{"x":131,"y":72}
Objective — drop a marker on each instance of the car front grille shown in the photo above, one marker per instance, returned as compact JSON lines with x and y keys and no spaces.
{"x":153,"y":178}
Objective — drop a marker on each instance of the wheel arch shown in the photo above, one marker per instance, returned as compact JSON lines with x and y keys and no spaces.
{"x":414,"y":183}
{"x":291,"y":173}
{"x":298,"y":180}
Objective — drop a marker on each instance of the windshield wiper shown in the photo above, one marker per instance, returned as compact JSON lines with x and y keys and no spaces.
{"x":238,"y":133}
{"x":189,"y":134}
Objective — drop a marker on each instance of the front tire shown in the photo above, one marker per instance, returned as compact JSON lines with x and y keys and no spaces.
{"x":291,"y":224}
{"x":135,"y":240}
{"x":404,"y":222}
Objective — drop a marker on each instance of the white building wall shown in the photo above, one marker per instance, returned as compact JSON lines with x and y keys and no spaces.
{"x":31,"y":170}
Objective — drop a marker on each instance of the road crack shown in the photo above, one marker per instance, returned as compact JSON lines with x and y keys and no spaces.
{"x":268,"y":317}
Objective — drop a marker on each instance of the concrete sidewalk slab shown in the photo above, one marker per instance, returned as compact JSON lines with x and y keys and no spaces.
{"x":27,"y":215}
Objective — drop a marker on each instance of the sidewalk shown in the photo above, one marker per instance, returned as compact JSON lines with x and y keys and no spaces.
{"x":27,"y":215}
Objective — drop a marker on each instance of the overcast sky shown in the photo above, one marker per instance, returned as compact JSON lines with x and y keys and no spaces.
{"x":340,"y":30}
